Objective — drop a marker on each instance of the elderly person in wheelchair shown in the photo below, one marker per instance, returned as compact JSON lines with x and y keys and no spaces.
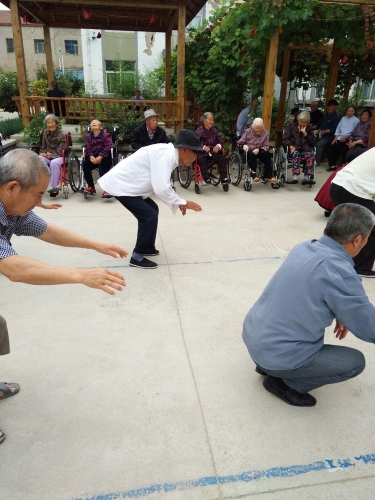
{"x":299,"y":140}
{"x":51,"y":151}
{"x":255,"y":142}
{"x":212,"y":145}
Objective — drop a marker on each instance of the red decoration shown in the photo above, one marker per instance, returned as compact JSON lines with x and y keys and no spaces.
{"x":344,"y":60}
{"x":253,"y":32}
{"x":99,"y":35}
{"x":152,"y":19}
{"x":86,"y":13}
{"x":26,"y":18}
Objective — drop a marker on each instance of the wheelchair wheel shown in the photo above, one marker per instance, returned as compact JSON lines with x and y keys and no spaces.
{"x":235,"y":168}
{"x":197,"y":188}
{"x":184,"y":175}
{"x":276,"y":185}
{"x":247,"y":185}
{"x":214,"y":172}
{"x":65,"y":190}
{"x":73,"y":172}
{"x":226,"y":187}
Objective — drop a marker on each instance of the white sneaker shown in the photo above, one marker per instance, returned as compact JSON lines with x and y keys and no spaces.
{"x":295,"y":178}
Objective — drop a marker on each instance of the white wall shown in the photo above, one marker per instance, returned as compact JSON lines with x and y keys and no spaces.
{"x":93,"y":64}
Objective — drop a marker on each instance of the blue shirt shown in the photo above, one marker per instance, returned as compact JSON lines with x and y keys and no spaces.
{"x":329,"y":122}
{"x":243,"y":121}
{"x":28,"y":225}
{"x":346,"y":126}
{"x":316,"y":284}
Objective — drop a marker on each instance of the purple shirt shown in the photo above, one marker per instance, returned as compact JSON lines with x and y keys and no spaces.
{"x":255,"y":141}
{"x":209,"y":137}
{"x":361,"y":131}
{"x":100,"y":145}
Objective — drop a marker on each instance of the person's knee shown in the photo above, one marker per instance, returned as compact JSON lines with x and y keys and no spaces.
{"x":359,"y":363}
{"x":3,"y":325}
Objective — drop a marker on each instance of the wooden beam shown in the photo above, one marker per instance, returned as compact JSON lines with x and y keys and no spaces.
{"x":181,"y":64}
{"x":155,"y":6}
{"x":333,"y":72}
{"x":48,"y":50}
{"x":371,"y":138}
{"x":269,"y":82}
{"x":282,"y":101}
{"x":168,"y":57}
{"x":20,"y":59}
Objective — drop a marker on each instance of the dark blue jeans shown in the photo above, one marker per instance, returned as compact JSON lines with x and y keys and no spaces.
{"x":146,"y":212}
{"x":330,"y":365}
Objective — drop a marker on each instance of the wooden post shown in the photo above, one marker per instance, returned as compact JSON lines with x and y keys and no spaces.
{"x":333,"y":72}
{"x":168,"y":56}
{"x":282,"y":101}
{"x":181,"y":64}
{"x":371,"y":138}
{"x":48,"y":49}
{"x":269,"y":82}
{"x":20,"y":59}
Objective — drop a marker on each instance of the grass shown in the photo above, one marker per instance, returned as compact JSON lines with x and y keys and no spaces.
{"x":10,"y":126}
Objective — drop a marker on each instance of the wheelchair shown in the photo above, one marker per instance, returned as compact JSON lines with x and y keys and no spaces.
{"x":284,"y":162}
{"x":239,"y":169}
{"x":79,"y":177}
{"x":69,"y":168}
{"x":187,"y":174}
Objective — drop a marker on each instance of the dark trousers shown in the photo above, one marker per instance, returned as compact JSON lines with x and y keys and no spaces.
{"x":4,"y":337}
{"x":334,"y":152}
{"x":354,"y":152}
{"x":88,"y":167}
{"x":330,"y":365}
{"x":205,"y":160}
{"x":364,"y":261}
{"x":265,"y":158}
{"x":146,"y":212}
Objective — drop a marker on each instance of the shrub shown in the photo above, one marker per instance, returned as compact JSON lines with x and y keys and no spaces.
{"x":31,"y":132}
{"x":8,"y":88}
{"x":10,"y":126}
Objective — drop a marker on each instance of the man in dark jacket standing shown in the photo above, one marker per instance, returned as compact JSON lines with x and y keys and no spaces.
{"x":149,"y":132}
{"x":55,"y":106}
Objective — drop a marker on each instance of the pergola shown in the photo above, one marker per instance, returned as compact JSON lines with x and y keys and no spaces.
{"x":124,"y":15}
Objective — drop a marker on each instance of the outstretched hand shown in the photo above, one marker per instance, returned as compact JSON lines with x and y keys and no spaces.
{"x":112,"y":250}
{"x":340,"y":330}
{"x":103,"y":279}
{"x":49,"y":206}
{"x":191,"y":205}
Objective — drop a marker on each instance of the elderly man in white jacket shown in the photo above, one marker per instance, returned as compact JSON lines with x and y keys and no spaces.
{"x":146,"y":172}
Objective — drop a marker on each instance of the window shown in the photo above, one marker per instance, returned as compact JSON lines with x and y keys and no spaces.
{"x":71,"y":47}
{"x":366,"y":89}
{"x":39,"y":47}
{"x":10,"y":45}
{"x":119,"y":73}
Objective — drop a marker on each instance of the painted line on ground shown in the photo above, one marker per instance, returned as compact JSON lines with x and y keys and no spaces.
{"x":245,"y":477}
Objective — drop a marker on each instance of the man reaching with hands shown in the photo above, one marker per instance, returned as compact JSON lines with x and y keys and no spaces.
{"x":24,"y":178}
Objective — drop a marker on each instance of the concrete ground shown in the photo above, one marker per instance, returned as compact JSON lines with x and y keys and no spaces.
{"x":151,"y":393}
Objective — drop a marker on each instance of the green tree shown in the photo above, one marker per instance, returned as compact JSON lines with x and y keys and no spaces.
{"x":8,"y":88}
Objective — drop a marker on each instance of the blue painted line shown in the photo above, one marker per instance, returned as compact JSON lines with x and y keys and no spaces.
{"x":195,"y":263}
{"x":246,"y":477}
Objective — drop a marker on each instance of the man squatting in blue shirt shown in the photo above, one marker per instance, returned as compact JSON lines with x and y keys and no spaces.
{"x":287,"y":343}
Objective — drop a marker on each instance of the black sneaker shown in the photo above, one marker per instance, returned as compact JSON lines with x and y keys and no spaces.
{"x":153,"y":253}
{"x":366,"y":273}
{"x":288,"y":395}
{"x":208,"y":181}
{"x":143,"y":264}
{"x":226,"y":181}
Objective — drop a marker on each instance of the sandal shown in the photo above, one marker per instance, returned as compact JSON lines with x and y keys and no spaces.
{"x":2,"y":437}
{"x":331,"y":169}
{"x":7,"y":391}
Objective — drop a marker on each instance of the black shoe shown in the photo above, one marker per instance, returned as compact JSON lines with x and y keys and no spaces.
{"x":331,"y":169}
{"x":143,"y":264}
{"x":366,"y":273}
{"x":327,"y":213}
{"x":226,"y":181}
{"x":153,"y":253}
{"x":208,"y":181}
{"x":260,"y":371}
{"x":290,"y":396}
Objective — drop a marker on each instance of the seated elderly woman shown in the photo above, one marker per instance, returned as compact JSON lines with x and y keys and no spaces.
{"x":358,"y":139}
{"x":212,"y":144}
{"x":53,"y":143}
{"x":339,"y":144}
{"x":255,"y":142}
{"x":300,"y":140}
{"x":98,"y":146}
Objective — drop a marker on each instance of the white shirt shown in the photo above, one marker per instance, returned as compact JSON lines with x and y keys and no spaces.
{"x":145,"y":172}
{"x":346,"y":126}
{"x":358,"y":177}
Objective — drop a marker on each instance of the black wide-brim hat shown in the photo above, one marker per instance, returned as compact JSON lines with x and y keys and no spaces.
{"x":189,"y":140}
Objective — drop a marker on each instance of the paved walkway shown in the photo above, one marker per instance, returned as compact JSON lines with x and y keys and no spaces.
{"x":151,"y":393}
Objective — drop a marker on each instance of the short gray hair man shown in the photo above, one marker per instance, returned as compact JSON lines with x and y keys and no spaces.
{"x":349,"y":220}
{"x":23,"y":166}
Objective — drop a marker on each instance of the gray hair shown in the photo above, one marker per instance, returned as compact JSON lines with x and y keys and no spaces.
{"x":23,"y":166}
{"x":257,"y":121}
{"x":205,"y":116}
{"x":51,"y":117}
{"x":349,"y":220}
{"x":304,"y":115}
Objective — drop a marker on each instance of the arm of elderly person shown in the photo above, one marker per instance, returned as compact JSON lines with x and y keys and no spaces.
{"x":106,"y":145}
{"x":43,"y":148}
{"x":137,"y":141}
{"x":61,"y":145}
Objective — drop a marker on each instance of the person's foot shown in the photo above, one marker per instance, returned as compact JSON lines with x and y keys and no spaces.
{"x":2,"y":437}
{"x":53,"y":190}
{"x":153,"y":253}
{"x":331,"y":168}
{"x":278,"y":388}
{"x":143,"y":264}
{"x":106,"y":195}
{"x":90,"y":190}
{"x":226,"y":181}
{"x":366,"y":273}
{"x":8,"y":389}
{"x":256,"y":179}
{"x":295,"y":179}
{"x":271,"y":180}
{"x":260,"y":371}
{"x":207,"y":181}
{"x":327,"y":213}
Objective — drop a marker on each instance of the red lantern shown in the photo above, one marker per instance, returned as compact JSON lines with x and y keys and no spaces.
{"x":86,"y":14}
{"x":99,"y":35}
{"x":344,"y":60}
{"x":152,"y":19}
